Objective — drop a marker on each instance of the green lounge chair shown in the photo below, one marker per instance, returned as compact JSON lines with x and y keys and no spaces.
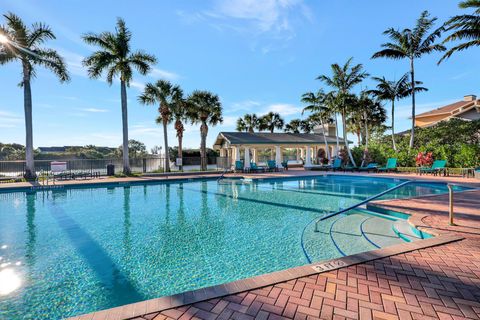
{"x":391,"y":166}
{"x":272,"y":165}
{"x":437,"y":167}
{"x":349,"y":167}
{"x":285,"y":164}
{"x":337,"y":165}
{"x":239,"y":166}
{"x":372,"y":166}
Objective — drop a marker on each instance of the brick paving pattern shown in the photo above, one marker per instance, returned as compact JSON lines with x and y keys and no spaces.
{"x":441,"y":282}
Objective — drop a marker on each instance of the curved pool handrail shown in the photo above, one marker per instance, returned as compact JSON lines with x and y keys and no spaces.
{"x":360,"y":203}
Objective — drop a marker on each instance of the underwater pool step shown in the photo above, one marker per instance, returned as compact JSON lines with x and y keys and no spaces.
{"x":404,"y":230}
{"x":380,"y":232}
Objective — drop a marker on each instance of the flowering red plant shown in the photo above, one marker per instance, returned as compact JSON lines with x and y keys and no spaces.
{"x":424,"y":159}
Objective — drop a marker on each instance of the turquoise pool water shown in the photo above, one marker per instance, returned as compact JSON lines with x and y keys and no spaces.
{"x":71,"y":251}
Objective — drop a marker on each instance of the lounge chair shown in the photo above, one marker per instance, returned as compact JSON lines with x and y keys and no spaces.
{"x":239,"y":166}
{"x":350,"y":168}
{"x":372,"y":166}
{"x":272,"y":165}
{"x":390,"y":167}
{"x":285,"y":164}
{"x":336,"y":165}
{"x":255,"y":168}
{"x":437,"y":167}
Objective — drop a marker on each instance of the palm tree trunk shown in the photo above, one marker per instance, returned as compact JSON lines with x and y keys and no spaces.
{"x":165,"y":140}
{"x":325,"y":139}
{"x":336,"y":129}
{"x":203,"y":146}
{"x":365,"y":150}
{"x":126,"y":160}
{"x":393,"y":125}
{"x":344,"y":121}
{"x":412,"y":134}
{"x":27,"y":104}
{"x":179,"y":127}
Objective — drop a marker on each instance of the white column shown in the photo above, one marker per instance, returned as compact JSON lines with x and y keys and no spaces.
{"x":222,"y":152}
{"x":298,"y":154}
{"x":255,"y":155}
{"x":278,"y":155}
{"x":246,"y":165}
{"x":235,"y":154}
{"x":308,"y":158}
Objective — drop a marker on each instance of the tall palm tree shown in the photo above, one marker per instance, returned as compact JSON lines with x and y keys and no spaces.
{"x":116,"y":58}
{"x":394,"y":90}
{"x":249,"y":123}
{"x":331,"y":103}
{"x":271,"y":121}
{"x":23,"y":44}
{"x":179,"y":109}
{"x":465,"y":27}
{"x":294,"y":126}
{"x":162,"y":93}
{"x":205,"y":109}
{"x":412,"y":44}
{"x":344,"y":79}
{"x":315,"y":105}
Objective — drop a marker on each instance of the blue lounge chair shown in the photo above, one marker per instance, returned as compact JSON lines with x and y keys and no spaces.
{"x":255,"y":168}
{"x":272,"y":165}
{"x":437,"y":167}
{"x":372,"y":166}
{"x":239,"y":166}
{"x":285,"y":164}
{"x":391,"y":166}
{"x":336,"y":165}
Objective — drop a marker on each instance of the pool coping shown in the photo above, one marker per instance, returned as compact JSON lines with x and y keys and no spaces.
{"x":189,"y":297}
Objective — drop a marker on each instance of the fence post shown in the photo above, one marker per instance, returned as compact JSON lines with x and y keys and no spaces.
{"x":144,"y":162}
{"x":450,"y":204}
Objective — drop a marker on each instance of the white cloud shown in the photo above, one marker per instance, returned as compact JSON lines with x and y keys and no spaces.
{"x":246,"y":105}
{"x":164,"y":74}
{"x":229,"y":121}
{"x":74,"y":62}
{"x":94,"y":110}
{"x":137,"y":85}
{"x":9,"y":119}
{"x":284,"y":109}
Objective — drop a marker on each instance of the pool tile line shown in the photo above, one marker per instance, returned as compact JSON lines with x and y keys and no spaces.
{"x":169,"y":302}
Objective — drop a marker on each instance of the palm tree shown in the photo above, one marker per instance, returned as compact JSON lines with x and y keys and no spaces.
{"x":317,"y":107}
{"x":179,"y":109}
{"x":294,"y":126}
{"x":21,"y":43}
{"x":161,"y":92}
{"x":271,"y":121}
{"x":343,"y":79}
{"x":331,"y":103}
{"x":394,"y":90}
{"x":249,"y":123}
{"x":412,"y":44}
{"x":205,"y":109}
{"x":117,"y":60}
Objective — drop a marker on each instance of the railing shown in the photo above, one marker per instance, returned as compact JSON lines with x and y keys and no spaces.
{"x":15,"y":169}
{"x":360,"y":203}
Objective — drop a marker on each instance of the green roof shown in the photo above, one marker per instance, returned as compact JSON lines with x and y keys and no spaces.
{"x":280,"y":138}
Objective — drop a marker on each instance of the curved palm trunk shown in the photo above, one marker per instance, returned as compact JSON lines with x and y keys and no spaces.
{"x":412,"y":134}
{"x":203,"y":146}
{"x":165,"y":141}
{"x":27,"y":104}
{"x":344,"y":122}
{"x":393,"y":125}
{"x":365,"y":151}
{"x":325,"y":139}
{"x":126,"y":160}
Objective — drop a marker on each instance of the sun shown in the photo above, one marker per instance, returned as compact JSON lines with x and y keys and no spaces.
{"x":3,"y":38}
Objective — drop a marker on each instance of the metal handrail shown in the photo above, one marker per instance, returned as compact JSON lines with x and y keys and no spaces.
{"x":360,"y":203}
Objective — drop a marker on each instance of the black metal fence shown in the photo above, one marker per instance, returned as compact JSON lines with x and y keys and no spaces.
{"x":140,"y":165}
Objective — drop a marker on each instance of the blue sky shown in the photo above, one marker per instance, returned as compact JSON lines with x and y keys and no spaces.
{"x":258,"y":56}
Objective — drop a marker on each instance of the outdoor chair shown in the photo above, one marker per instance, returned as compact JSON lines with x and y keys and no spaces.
{"x":285,"y":165}
{"x":350,"y":168}
{"x":372,"y":166}
{"x":437,"y":167}
{"x":390,"y":167}
{"x":255,"y":168}
{"x":272,"y":165}
{"x":239,"y":166}
{"x":337,"y":165}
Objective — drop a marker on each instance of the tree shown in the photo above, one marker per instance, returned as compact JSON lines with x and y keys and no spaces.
{"x":271,"y":121}
{"x":394,"y":90}
{"x":465,"y":27}
{"x":180,"y":114}
{"x":294,"y":126}
{"x":343,"y":79}
{"x":412,"y":44}
{"x":315,"y":105}
{"x":117,"y":60}
{"x":162,"y":93}
{"x":21,"y":43}
{"x":205,"y":109}
{"x":249,"y":123}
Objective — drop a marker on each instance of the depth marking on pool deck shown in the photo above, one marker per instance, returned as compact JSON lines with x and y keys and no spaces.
{"x":329,"y":265}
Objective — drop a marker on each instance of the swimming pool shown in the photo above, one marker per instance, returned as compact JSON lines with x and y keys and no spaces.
{"x":70,"y":251}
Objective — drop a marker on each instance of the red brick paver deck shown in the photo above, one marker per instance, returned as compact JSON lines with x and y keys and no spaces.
{"x":441,"y":282}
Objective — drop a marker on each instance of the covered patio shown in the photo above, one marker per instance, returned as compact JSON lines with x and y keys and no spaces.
{"x":258,"y":147}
